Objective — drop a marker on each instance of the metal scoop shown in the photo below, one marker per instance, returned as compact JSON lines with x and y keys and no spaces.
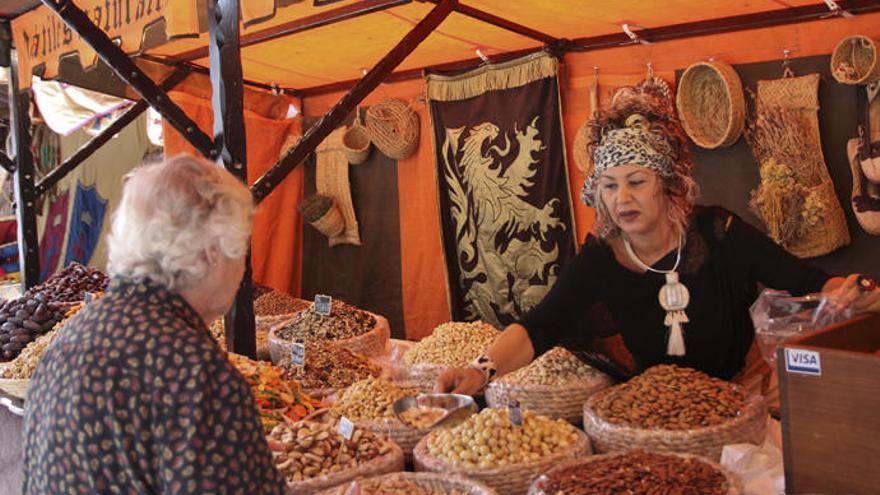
{"x":458,"y":407}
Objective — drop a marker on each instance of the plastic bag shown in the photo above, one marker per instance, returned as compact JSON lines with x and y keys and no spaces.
{"x":779,"y":317}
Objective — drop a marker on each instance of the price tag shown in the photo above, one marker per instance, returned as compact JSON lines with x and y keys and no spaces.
{"x":88,"y":297}
{"x":346,"y":428}
{"x":298,"y":354}
{"x":514,"y":413}
{"x":323,"y":304}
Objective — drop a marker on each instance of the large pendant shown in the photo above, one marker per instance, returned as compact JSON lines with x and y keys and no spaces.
{"x":674,"y":298}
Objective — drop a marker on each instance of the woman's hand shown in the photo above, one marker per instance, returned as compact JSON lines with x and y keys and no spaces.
{"x":854,"y":290}
{"x":467,"y":381}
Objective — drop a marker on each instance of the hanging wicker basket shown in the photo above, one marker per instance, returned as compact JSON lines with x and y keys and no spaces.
{"x":393,"y":127}
{"x":331,"y":223}
{"x":356,"y":143}
{"x":711,"y":104}
{"x":855,"y":61}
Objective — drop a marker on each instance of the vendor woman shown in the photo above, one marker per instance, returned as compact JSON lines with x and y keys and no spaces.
{"x":677,"y":279}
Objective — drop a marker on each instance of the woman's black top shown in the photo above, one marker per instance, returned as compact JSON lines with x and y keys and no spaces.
{"x":723,"y":261}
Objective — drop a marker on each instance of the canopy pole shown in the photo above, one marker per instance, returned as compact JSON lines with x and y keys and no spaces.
{"x":23,"y":178}
{"x":88,"y":149}
{"x":129,"y":72}
{"x":230,"y":141}
{"x":313,"y":137}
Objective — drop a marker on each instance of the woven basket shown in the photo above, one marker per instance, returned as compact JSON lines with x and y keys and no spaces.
{"x":579,"y":149}
{"x":369,"y":344}
{"x":507,"y":480}
{"x":356,"y":143}
{"x":855,"y":61}
{"x":868,"y":219}
{"x":438,"y":484}
{"x":748,"y":427}
{"x":388,"y":463}
{"x":711,"y":104}
{"x":15,"y":387}
{"x":734,"y":485}
{"x":393,"y":127}
{"x":564,"y":401}
{"x":332,"y":223}
{"x":405,"y":437}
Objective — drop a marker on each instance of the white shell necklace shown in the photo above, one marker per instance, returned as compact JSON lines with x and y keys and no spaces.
{"x":674,"y":298}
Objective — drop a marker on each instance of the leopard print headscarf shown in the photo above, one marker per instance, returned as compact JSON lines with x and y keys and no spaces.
{"x":631,"y":145}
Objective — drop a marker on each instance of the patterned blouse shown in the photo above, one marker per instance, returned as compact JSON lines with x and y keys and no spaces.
{"x":135,"y":397}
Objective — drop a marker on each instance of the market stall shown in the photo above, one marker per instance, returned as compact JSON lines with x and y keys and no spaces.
{"x":380,"y":174}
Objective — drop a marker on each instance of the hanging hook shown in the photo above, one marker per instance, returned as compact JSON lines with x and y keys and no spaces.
{"x":650,"y":70}
{"x":482,"y":55}
{"x":786,"y":64}
{"x":596,"y":70}
{"x":633,"y":36}
{"x":275,"y":89}
{"x":835,"y":10}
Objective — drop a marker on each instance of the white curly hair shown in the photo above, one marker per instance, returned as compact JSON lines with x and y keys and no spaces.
{"x":171,"y":212}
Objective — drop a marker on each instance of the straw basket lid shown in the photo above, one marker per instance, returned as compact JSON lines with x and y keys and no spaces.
{"x":711,"y":104}
{"x":855,"y":60}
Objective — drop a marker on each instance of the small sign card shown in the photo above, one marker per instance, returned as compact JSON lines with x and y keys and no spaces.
{"x":323,"y":304}
{"x":298,"y":354}
{"x":346,"y":428}
{"x":514,"y":413}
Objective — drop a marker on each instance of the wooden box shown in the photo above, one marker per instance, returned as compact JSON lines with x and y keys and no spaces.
{"x":830,"y":397}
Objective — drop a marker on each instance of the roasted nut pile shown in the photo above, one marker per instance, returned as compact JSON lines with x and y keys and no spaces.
{"x":422,"y":417}
{"x":452,"y":344}
{"x":343,"y":322}
{"x":636,"y":473}
{"x":330,"y":366}
{"x":72,"y":283}
{"x":488,"y":439}
{"x":274,"y":303}
{"x":557,"y":366}
{"x":670,"y":397}
{"x":24,"y":319}
{"x":370,"y":399}
{"x":393,"y":486}
{"x":308,"y":449}
{"x":23,"y":366}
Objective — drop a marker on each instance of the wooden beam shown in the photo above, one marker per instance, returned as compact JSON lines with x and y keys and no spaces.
{"x":126,"y":69}
{"x":325,"y":18}
{"x":503,"y":23}
{"x":677,"y":31}
{"x":7,"y":163}
{"x":23,"y":179}
{"x":229,"y":137}
{"x":313,"y":137}
{"x":86,"y":150}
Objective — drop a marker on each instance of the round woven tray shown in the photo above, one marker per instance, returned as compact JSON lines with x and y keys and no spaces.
{"x":369,"y":344}
{"x":564,"y":401}
{"x":711,"y":104}
{"x":507,"y":480}
{"x":439,"y":484}
{"x":15,"y":387}
{"x":748,"y":427}
{"x":734,"y":485}
{"x":393,"y":128}
{"x":388,"y":463}
{"x":855,"y":60}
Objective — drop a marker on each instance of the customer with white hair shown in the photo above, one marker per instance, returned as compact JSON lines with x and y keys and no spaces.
{"x":134,"y":396}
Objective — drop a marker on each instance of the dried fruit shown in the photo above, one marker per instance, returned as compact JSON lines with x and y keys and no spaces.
{"x":23,"y":366}
{"x":274,"y":303}
{"x":329,"y":366}
{"x":343,"y":322}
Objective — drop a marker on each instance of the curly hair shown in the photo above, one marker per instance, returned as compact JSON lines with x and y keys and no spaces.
{"x":657,"y":111}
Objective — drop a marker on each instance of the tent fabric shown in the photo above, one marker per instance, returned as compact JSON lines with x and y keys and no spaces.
{"x":276,"y":244}
{"x":67,"y":108}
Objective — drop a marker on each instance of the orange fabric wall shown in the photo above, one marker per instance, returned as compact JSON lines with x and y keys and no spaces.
{"x":424,"y":281}
{"x":276,"y":245}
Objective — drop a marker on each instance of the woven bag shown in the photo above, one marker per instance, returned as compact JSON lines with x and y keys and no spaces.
{"x":513,"y":479}
{"x":388,"y":463}
{"x":356,"y":143}
{"x":748,"y":427}
{"x":711,"y":104}
{"x":393,"y":127}
{"x":438,"y":484}
{"x":855,"y":60}
{"x":734,"y":485}
{"x":564,"y":401}
{"x":332,"y":223}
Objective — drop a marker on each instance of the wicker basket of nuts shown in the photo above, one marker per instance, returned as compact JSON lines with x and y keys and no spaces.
{"x":638,"y":473}
{"x":489,"y":448}
{"x":359,"y":331}
{"x":451,"y":344}
{"x":314,"y":456}
{"x":413,"y":484}
{"x":370,"y":405}
{"x":673,"y":409}
{"x":555,"y":385}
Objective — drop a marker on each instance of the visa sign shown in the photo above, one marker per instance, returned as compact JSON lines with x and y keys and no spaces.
{"x":803,"y":362}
